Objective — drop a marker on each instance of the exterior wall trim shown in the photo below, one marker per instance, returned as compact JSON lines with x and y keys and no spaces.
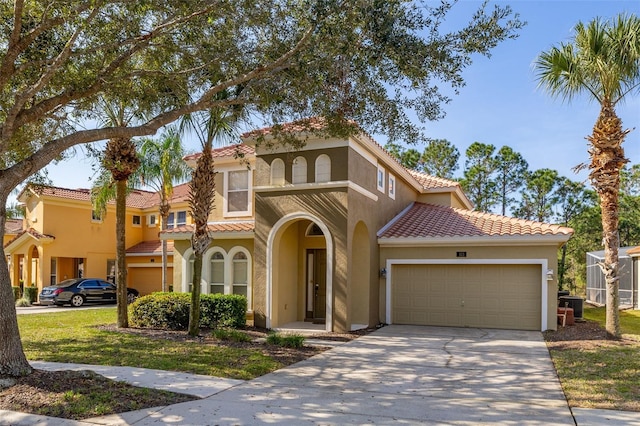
{"x":329,"y":277}
{"x":543,"y":279}
{"x":323,"y":185}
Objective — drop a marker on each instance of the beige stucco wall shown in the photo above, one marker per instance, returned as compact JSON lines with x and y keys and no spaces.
{"x":329,"y":206}
{"x":548,"y":252}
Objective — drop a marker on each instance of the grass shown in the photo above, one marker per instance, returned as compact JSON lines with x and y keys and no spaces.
{"x":286,"y":340}
{"x":629,"y":320}
{"x":601,"y":373}
{"x":74,"y":337}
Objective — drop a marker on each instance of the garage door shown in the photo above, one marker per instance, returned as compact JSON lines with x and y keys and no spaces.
{"x":488,"y":296}
{"x":147,"y":280}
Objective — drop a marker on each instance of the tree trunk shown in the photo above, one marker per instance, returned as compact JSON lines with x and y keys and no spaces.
{"x":194,"y":312}
{"x":12,"y":359}
{"x":164,"y":216}
{"x":121,"y":268}
{"x":607,"y":159}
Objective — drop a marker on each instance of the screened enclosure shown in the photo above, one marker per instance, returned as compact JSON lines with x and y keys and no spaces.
{"x":596,"y":285}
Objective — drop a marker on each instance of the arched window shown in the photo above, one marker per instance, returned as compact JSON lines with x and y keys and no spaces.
{"x":240,"y":274}
{"x":277,"y":172}
{"x":323,"y":168}
{"x":299,"y":170}
{"x":216,"y":273}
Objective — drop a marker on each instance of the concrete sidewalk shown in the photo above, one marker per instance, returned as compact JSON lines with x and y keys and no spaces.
{"x":397,"y":375}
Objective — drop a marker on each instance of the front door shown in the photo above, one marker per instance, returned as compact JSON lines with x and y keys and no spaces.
{"x":316,"y":285}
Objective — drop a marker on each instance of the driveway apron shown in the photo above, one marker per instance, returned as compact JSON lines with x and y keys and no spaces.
{"x":398,"y":375}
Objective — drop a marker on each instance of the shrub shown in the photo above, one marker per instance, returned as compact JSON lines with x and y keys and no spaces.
{"x":286,"y":340}
{"x":231,"y":335}
{"x":22,"y":303}
{"x":16,"y":293}
{"x":223,"y":310}
{"x":171,"y":311}
{"x":31,"y":294}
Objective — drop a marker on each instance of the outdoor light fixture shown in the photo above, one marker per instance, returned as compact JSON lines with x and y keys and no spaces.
{"x":383,"y":272}
{"x":549,"y":274}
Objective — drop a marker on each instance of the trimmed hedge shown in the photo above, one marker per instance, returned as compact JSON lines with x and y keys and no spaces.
{"x":16,"y":293}
{"x":31,"y":294}
{"x":170,"y":311}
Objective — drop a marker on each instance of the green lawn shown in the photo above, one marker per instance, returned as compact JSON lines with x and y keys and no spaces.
{"x":73,"y":336}
{"x":629,"y":320}
{"x":601,"y":373}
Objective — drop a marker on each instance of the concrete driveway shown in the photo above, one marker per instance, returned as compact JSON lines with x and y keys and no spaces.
{"x":397,"y":375}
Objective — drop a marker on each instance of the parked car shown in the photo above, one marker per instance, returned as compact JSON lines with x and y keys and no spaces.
{"x":78,"y":291}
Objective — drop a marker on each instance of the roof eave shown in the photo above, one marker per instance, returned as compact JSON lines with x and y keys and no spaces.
{"x":508,"y":240}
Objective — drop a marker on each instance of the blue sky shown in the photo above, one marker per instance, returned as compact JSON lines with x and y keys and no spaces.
{"x":501,"y":104}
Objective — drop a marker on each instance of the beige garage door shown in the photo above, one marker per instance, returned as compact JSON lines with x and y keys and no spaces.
{"x":147,"y":280}
{"x":488,"y":296}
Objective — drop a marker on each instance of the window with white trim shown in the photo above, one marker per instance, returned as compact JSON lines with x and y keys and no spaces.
{"x":277,"y":172}
{"x":240,"y":274}
{"x":323,"y":168}
{"x":299,"y":170}
{"x":216,"y":273}
{"x":176,"y":219}
{"x":392,"y":186}
{"x":96,"y":217}
{"x":380,"y":179}
{"x":151,"y":220}
{"x":237,"y":193}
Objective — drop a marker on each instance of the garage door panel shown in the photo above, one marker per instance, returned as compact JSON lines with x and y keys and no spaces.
{"x":490,"y":296}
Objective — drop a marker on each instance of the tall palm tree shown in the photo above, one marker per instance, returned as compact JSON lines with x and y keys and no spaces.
{"x":216,"y":124}
{"x":603,"y":61}
{"x":161,"y":166}
{"x":121,"y":159}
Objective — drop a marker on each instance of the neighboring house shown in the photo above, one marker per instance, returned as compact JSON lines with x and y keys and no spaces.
{"x":12,"y":227}
{"x":62,"y":237}
{"x":629,"y":273}
{"x":340,"y":233}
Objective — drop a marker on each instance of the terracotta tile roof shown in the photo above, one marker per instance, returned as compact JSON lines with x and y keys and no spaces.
{"x":13,"y":226}
{"x":431,"y":221}
{"x":136,"y":198}
{"x":150,"y":247}
{"x":432,"y":182}
{"x":635,"y":250}
{"x":35,"y":234}
{"x":232,"y":151}
{"x":239,"y":226}
{"x":314,"y":123}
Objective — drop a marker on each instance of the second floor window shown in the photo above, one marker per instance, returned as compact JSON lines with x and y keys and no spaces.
{"x":238,"y":193}
{"x":299,"y":170}
{"x":277,"y":172}
{"x":176,"y":219}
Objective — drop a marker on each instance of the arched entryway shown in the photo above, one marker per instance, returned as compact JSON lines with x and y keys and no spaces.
{"x":300,"y":267}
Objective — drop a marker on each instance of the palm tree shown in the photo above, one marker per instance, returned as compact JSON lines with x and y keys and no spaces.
{"x":161,"y":166}
{"x":121,"y":160}
{"x":603,"y":61}
{"x":216,"y":124}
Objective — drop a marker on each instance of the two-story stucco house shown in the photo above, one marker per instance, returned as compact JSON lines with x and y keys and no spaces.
{"x":335,"y":233}
{"x":339,"y":233}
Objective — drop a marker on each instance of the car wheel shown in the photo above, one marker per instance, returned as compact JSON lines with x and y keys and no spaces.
{"x":77,"y":300}
{"x":131,"y":298}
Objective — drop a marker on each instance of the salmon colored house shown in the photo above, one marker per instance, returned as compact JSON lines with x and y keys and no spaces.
{"x":335,"y":233}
